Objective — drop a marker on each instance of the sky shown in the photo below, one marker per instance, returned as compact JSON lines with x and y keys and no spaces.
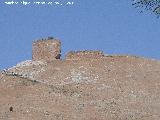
{"x":113,"y":26}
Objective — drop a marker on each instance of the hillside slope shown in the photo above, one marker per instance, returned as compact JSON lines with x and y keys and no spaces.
{"x":112,"y":88}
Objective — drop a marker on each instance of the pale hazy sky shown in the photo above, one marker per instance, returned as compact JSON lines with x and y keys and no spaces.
{"x":107,"y":25}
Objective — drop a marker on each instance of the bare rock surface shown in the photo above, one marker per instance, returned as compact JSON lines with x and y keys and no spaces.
{"x":111,"y":88}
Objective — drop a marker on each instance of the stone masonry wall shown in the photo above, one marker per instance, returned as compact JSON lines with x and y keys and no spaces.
{"x":76,"y":55}
{"x":46,"y":49}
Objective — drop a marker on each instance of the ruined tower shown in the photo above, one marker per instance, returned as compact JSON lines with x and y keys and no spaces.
{"x":46,"y":49}
{"x":86,"y":54}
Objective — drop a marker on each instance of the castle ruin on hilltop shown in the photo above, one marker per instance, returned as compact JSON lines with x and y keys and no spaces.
{"x":50,"y":49}
{"x":90,"y":54}
{"x":46,"y":49}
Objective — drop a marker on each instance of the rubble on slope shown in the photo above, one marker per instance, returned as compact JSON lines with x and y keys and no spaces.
{"x":26,"y":69}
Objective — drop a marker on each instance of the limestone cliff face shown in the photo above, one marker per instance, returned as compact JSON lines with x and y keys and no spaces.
{"x":110,"y":88}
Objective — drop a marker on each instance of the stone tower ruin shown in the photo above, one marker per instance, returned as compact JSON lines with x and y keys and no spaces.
{"x":86,"y":54}
{"x":46,"y":49}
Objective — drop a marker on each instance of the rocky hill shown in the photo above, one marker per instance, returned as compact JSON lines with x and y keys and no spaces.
{"x":108,"y":88}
